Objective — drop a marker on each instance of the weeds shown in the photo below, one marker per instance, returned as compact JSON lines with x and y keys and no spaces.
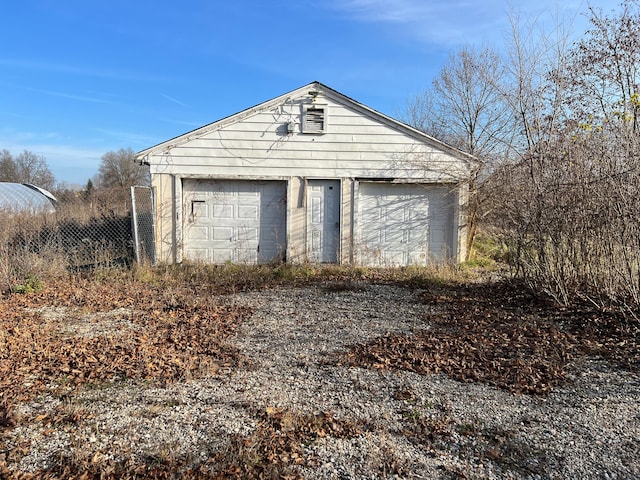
{"x":232,"y":278}
{"x":31,"y":284}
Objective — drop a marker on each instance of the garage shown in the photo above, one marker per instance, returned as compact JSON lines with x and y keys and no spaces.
{"x":309,"y":176}
{"x":404,"y":224}
{"x":240,"y":221}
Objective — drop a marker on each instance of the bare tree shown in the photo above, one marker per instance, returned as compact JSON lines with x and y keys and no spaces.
{"x":604,"y":71}
{"x":8,"y":169}
{"x":27,"y":167}
{"x":422,"y":112}
{"x":119,"y":169}
{"x":465,"y":108}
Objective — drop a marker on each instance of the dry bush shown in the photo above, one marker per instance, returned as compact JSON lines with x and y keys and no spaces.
{"x":566,"y":202}
{"x":27,"y":255}
{"x":569,"y":217}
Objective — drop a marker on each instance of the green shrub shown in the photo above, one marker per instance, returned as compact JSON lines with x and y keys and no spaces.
{"x":31,"y":284}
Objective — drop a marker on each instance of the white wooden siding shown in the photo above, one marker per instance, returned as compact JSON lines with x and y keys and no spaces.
{"x":354,"y":146}
{"x":259,"y":144}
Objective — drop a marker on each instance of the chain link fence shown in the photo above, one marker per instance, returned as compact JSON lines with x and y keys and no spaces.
{"x":144,"y":224}
{"x":104,"y":240}
{"x":105,"y":229}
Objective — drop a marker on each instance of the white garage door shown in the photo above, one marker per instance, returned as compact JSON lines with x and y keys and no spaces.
{"x":234,"y":220}
{"x":400,"y":224}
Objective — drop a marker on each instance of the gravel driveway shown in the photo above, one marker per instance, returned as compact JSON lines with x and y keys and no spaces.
{"x":409,"y":426}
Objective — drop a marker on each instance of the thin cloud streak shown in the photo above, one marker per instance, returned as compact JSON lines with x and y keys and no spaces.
{"x":70,"y":96}
{"x":81,"y":71}
{"x":452,"y":23}
{"x":177,"y":102}
{"x":429,"y":22}
{"x":399,"y":11}
{"x":53,"y":93}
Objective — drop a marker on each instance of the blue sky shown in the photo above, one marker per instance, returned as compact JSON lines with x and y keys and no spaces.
{"x":79,"y":78}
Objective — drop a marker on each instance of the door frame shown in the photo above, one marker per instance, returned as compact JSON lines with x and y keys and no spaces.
{"x":337,"y":182}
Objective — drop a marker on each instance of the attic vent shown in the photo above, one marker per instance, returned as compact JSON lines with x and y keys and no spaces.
{"x":314,"y":119}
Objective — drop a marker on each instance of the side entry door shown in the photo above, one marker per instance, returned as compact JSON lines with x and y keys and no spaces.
{"x":323,"y":220}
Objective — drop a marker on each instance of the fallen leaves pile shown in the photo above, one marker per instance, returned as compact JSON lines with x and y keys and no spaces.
{"x":502,"y":335}
{"x":277,"y":444}
{"x":157,"y":335}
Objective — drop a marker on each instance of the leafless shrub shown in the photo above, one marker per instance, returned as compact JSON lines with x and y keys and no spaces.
{"x":573,"y":226}
{"x":566,"y":205}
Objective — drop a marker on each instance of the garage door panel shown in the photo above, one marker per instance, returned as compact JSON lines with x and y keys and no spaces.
{"x":198,"y":254}
{"x":198,"y":208}
{"x":222,"y":233}
{"x":245,"y":220}
{"x":391,"y":236}
{"x":200,"y":233}
{"x":219,"y":255}
{"x":417,"y":235}
{"x":372,"y":237}
{"x":403,"y":224}
{"x":222,"y":211}
{"x":249,"y":212}
{"x":247,"y":234}
{"x":245,"y":255}
{"x":392,"y":257}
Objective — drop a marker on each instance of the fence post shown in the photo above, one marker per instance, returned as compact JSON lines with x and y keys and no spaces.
{"x":134,"y":224}
{"x":154,"y":257}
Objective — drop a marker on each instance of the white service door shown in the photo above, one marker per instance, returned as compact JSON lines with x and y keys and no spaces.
{"x":323,"y":220}
{"x":234,"y":220}
{"x":403,"y":224}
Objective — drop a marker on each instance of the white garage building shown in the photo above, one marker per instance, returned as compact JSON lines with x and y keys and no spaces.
{"x":311,"y":175}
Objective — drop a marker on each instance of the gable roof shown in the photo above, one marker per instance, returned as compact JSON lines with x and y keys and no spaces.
{"x":301,"y":92}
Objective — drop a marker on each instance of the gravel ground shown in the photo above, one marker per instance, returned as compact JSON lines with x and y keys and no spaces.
{"x":411,"y":426}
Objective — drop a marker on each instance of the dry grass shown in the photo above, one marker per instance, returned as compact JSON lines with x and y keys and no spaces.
{"x":232,"y":278}
{"x":36,"y":248}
